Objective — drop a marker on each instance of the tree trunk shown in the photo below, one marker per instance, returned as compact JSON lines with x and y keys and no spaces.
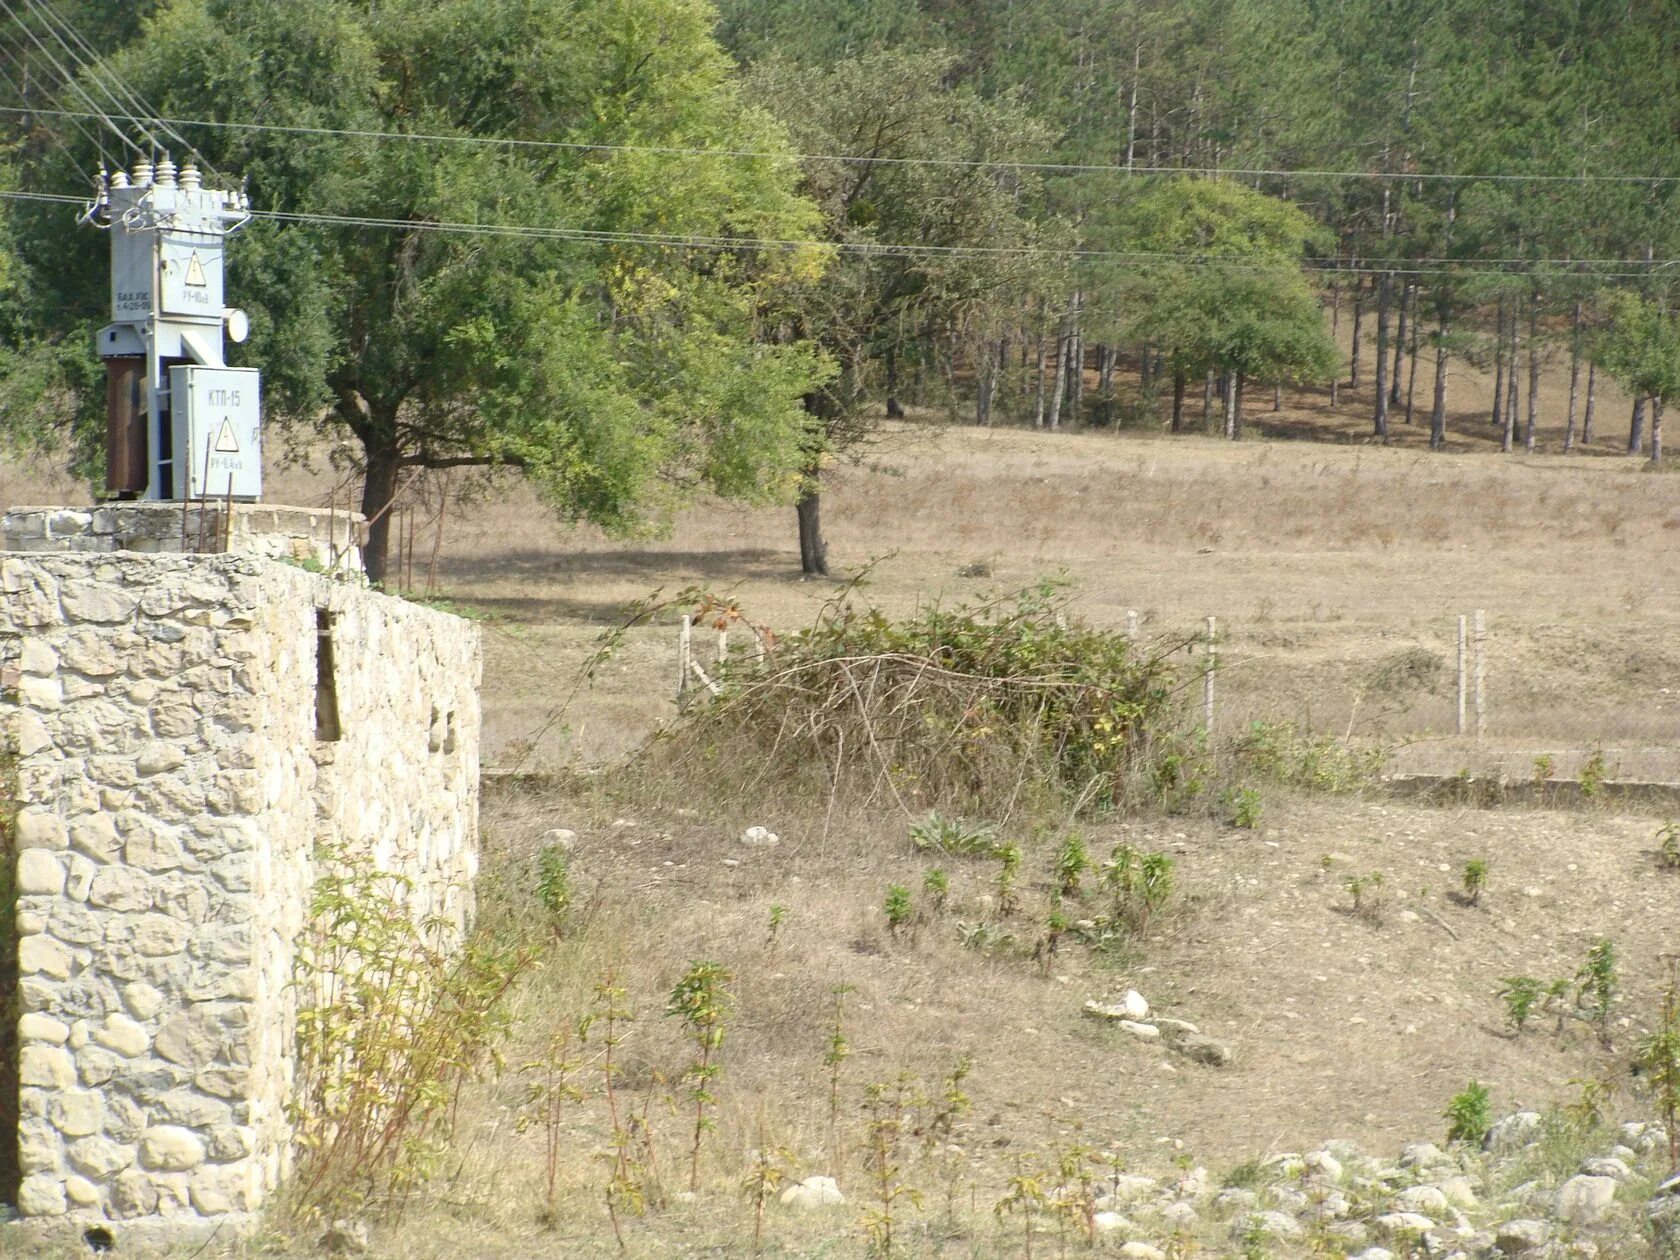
{"x":1499,"y":366}
{"x":1533,"y":417}
{"x":1178,"y":402}
{"x":1412,"y":356}
{"x":1207,"y":404}
{"x":985,"y":382}
{"x":895,"y":409}
{"x":1277,"y":397}
{"x":1038,"y":359}
{"x":1592,"y":403}
{"x":1105,"y":384}
{"x":1076,"y":365}
{"x":1406,"y":290}
{"x":1335,"y":327}
{"x":1228,"y":392}
{"x":1656,"y":431}
{"x":1385,"y":295}
{"x":1636,"y":427}
{"x":1358,"y":319}
{"x":1438,"y":413}
{"x":1574,"y":378}
{"x":1508,"y":433}
{"x":1236,"y":407}
{"x":379,"y":488}
{"x":813,"y":550}
{"x":1060,"y":387}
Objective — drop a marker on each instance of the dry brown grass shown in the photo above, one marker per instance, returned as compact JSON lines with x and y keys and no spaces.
{"x":1336,"y":569}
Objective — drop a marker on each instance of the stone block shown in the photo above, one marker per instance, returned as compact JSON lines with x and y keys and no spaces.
{"x":39,"y":873}
{"x":40,"y":829}
{"x":41,"y":1195}
{"x":81,"y":1191}
{"x":143,"y":1001}
{"x":35,"y":1026}
{"x":95,"y":836}
{"x":45,"y":1066}
{"x":92,"y":601}
{"x":77,"y":1112}
{"x":122,"y":1035}
{"x":170,"y":1148}
{"x":38,"y":657}
{"x":41,"y":955}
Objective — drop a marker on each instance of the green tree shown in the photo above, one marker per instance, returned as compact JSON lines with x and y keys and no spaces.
{"x":1209,"y":272}
{"x":1639,"y":346}
{"x":878,"y":304}
{"x":621,"y":373}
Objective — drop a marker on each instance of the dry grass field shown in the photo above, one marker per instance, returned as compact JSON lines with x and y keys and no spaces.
{"x":1336,"y":570}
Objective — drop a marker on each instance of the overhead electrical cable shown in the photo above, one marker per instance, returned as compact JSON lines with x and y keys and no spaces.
{"x":1419,"y":267}
{"x":70,"y":82}
{"x":1071,"y":168}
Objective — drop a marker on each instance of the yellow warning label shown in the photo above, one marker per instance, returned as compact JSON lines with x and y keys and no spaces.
{"x":195,"y":275}
{"x":227,"y":442}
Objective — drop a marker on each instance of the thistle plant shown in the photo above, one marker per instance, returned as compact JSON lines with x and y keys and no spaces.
{"x":701,"y":1002}
{"x":1073,"y":860}
{"x":1475,"y":881}
{"x":1009,"y":869}
{"x":898,"y":908}
{"x":936,"y":890}
{"x":1596,"y":986}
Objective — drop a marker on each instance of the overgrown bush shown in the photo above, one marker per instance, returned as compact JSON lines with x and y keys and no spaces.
{"x":392,"y":1019}
{"x":1283,"y":753}
{"x":989,"y":709}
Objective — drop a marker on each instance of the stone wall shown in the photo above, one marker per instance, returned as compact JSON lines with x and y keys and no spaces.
{"x":173,"y":784}
{"x":328,"y":540}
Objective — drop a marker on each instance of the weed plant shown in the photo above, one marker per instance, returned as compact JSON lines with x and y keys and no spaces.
{"x":1281,"y":752}
{"x":1475,"y":881}
{"x":1467,"y":1115}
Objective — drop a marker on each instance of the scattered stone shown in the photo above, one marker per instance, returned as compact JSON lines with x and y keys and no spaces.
{"x":1458,"y":1192}
{"x":1147,"y":1031}
{"x":1110,"y":1222}
{"x":1517,"y":1130}
{"x":1204,"y":1049}
{"x":1271,"y":1224}
{"x":1425,"y":1200}
{"x":1607,"y":1166}
{"x":760,"y":838}
{"x":1403,"y":1225}
{"x":1181,"y":1216}
{"x":1234,"y":1199}
{"x":1126,"y":1189}
{"x":1176,"y":1027}
{"x":1142,"y":1251}
{"x":1323,"y":1166}
{"x":813,"y":1192}
{"x":346,"y":1238}
{"x":41,"y":1195}
{"x":1374,"y":1253}
{"x":559,"y":838}
{"x":1519,"y":1237}
{"x":1421,"y":1155}
{"x":1584,"y":1200}
{"x":171,"y":1148}
{"x":1136,"y":1007}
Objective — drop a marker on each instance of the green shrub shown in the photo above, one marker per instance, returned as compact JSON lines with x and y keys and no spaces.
{"x":1521,"y":994}
{"x":1246,"y":808}
{"x":391,"y":1021}
{"x":955,"y":836}
{"x":1073,"y":860}
{"x":1283,"y":753}
{"x":554,"y":883}
{"x":1595,"y":772}
{"x":898,"y":908}
{"x":1467,"y":1115}
{"x":1475,"y":880}
{"x":989,"y":708}
{"x":1668,"y":846}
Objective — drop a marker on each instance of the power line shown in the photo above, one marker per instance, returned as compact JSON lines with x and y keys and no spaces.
{"x":70,"y":83}
{"x":1053,"y":168}
{"x":1415,"y":267}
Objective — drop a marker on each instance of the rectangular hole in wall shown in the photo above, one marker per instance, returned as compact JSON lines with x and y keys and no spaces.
{"x":327,"y":726}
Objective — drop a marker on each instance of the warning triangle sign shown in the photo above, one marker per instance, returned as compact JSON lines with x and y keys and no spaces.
{"x":195,"y":272}
{"x":227,"y":442}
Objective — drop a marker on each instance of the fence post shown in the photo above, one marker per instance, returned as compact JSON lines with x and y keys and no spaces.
{"x":1207,"y":679}
{"x":1463,"y":648}
{"x":723,"y":644}
{"x":1481,"y":675}
{"x":684,"y":647}
{"x":1132,"y":624}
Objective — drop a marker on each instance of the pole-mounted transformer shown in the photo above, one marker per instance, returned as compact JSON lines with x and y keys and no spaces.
{"x":179,"y":423}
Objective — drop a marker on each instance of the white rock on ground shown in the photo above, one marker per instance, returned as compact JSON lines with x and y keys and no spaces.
{"x":1142,"y":1251}
{"x":1109,"y":1222}
{"x":1585,"y":1200}
{"x":1519,"y":1129}
{"x":759,"y":838}
{"x":1136,"y":1007}
{"x":1458,"y":1191}
{"x":560,"y":838}
{"x":1323,"y":1166}
{"x":1403,"y":1225}
{"x":1607,"y":1166}
{"x":1519,"y":1237}
{"x":1126,"y":1189}
{"x":1271,"y":1224}
{"x":813,"y":1192}
{"x":1426,"y":1200}
{"x":1147,"y":1031}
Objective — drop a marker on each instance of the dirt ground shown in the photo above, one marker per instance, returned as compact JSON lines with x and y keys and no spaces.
{"x":1337,"y":571}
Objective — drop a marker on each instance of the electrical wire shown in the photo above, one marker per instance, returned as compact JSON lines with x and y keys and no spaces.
{"x":69,"y":80}
{"x":1410,"y":267}
{"x":1062,"y":168}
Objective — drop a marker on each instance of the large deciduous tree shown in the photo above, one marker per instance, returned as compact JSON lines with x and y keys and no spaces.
{"x":929,"y":241}
{"x":617,"y":357}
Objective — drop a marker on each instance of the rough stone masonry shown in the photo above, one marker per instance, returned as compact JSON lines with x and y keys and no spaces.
{"x":182,"y":732}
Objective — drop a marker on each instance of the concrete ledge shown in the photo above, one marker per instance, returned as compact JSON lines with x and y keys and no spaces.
{"x":1491,"y":793}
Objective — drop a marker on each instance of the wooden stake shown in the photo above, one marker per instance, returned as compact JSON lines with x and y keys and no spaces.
{"x":1463,"y":648}
{"x":1207,"y":679}
{"x":1132,"y":624}
{"x":684,"y":647}
{"x":1481,"y":675}
{"x":723,"y":645}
